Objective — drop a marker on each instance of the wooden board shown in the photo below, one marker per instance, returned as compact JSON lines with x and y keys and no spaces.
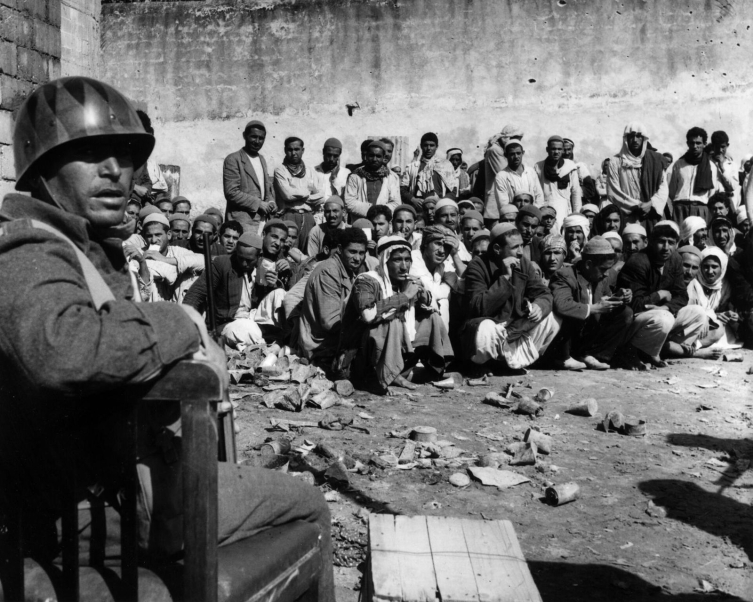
{"x":454,"y":573}
{"x":416,"y":566}
{"x":501,"y":571}
{"x":385,"y":558}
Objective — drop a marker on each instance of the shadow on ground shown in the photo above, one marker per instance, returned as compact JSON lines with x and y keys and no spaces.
{"x":563,"y":582}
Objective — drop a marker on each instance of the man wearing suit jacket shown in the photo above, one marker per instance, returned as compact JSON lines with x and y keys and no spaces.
{"x":246,"y":181}
{"x":594,"y":323}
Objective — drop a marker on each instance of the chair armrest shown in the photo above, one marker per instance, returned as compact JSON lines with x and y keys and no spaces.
{"x":188,"y":380}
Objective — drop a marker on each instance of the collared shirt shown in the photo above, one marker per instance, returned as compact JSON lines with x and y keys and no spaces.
{"x":508,"y":183}
{"x":324,"y":184}
{"x":258,"y":170}
{"x":682,"y":182}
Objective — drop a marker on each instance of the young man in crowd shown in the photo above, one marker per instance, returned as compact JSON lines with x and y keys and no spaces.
{"x":634,"y":239}
{"x":471,"y":223}
{"x":514,"y":179}
{"x":691,"y":262}
{"x":334,"y":219}
{"x":201,"y":224}
{"x":181,"y":206}
{"x":552,"y":249}
{"x":246,"y":181}
{"x":559,"y":180}
{"x":329,"y":176}
{"x":404,"y":224}
{"x":508,"y":307}
{"x":180,"y":229}
{"x":371,"y":184}
{"x":230,"y":232}
{"x":527,"y":223}
{"x":417,"y":181}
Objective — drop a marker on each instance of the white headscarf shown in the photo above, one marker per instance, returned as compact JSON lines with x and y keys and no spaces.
{"x":709,"y":294}
{"x":576,"y":219}
{"x":628,"y":159}
{"x":691,"y":225}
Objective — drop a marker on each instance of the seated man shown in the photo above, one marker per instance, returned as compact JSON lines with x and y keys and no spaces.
{"x":84,"y":340}
{"x":165,"y":205}
{"x":334,"y":219}
{"x":203,"y":223}
{"x":614,"y":239}
{"x":380,"y":217}
{"x":132,"y":208}
{"x":428,"y":207}
{"x":576,"y":230}
{"x":247,"y":289}
{"x":230,"y":232}
{"x":526,"y":223}
{"x":664,"y":323}
{"x":171,"y":270}
{"x":471,"y":223}
{"x":594,"y":319}
{"x":327,"y":291}
{"x":404,"y":224}
{"x":508,"y":307}
{"x":480,"y":242}
{"x":691,"y":262}
{"x":552,"y":248}
{"x":181,"y":206}
{"x":507,"y":214}
{"x":384,"y":326}
{"x":590,"y":211}
{"x":634,"y":239}
{"x":446,"y":214}
{"x":180,"y":229}
{"x":722,"y":235}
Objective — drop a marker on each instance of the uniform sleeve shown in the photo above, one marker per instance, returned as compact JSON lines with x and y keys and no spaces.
{"x":57,"y":340}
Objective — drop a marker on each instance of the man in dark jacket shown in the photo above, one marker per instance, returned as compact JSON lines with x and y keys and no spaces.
{"x":74,"y":345}
{"x":663,"y":318}
{"x":594,"y":322}
{"x":508,"y":307}
{"x":248,"y":187}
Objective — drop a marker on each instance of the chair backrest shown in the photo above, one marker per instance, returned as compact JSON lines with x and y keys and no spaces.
{"x":197,"y":386}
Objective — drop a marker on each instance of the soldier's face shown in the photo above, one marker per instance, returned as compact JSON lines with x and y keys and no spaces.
{"x":91,"y":178}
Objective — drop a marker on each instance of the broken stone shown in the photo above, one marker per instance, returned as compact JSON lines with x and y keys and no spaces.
{"x":495,"y":399}
{"x":300,"y":373}
{"x":502,"y":479}
{"x":460,"y":480}
{"x":524,"y":454}
{"x":344,"y":387}
{"x":324,"y":400}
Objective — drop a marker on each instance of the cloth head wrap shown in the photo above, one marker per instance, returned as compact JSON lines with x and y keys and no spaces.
{"x":598,"y":245}
{"x":691,"y":225}
{"x":254,"y":124}
{"x":690,"y":249}
{"x":723,"y":260}
{"x":553,"y":241}
{"x":444,"y":203}
{"x":473,"y":214}
{"x":576,"y":219}
{"x":149,"y":209}
{"x":512,"y":131}
{"x":500,"y":229}
{"x":390,"y":243}
{"x":568,"y":140}
{"x":514,"y":142}
{"x":741,"y":215}
{"x":508,"y":209}
{"x":670,"y":223}
{"x":436,"y":232}
{"x":590,"y":207}
{"x":214,"y":211}
{"x":207,"y":219}
{"x":635,"y":127}
{"x":521,"y":195}
{"x":634,"y":229}
{"x":155,"y":217}
{"x":529,"y":210}
{"x":251,"y":239}
{"x":333,"y":143}
{"x":454,"y":151}
{"x":335,"y":199}
{"x":430,"y":137}
{"x":611,"y":235}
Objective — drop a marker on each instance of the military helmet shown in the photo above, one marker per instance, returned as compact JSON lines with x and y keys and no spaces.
{"x":72,"y":108}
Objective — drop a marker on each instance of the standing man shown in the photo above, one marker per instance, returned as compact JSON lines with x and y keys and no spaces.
{"x":527,"y":223}
{"x":329,"y":177}
{"x":636,"y":181}
{"x":559,"y":180}
{"x":728,"y":173}
{"x":695,"y":177}
{"x":246,"y":182}
{"x":85,"y":340}
{"x":371,"y":184}
{"x":494,"y":161}
{"x":296,"y":191}
{"x":417,"y":181}
{"x":334,"y":219}
{"x":587,"y":184}
{"x":513,"y":179}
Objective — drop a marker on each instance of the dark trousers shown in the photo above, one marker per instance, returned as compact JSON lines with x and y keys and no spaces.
{"x":598,"y":335}
{"x":683,"y":209}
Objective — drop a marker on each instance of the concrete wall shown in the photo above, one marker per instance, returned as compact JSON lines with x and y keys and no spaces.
{"x":29,"y":55}
{"x":80,"y":37}
{"x":461,"y":68}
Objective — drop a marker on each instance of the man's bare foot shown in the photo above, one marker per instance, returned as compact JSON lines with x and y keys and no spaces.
{"x":711,"y":353}
{"x":401,"y":381}
{"x":656,"y":361}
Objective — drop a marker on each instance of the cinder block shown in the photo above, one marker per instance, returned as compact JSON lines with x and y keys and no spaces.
{"x":16,"y":27}
{"x":7,"y":170}
{"x":13,"y":92}
{"x":6,"y":127}
{"x":46,"y":38}
{"x":8,"y":58}
{"x":31,"y":65}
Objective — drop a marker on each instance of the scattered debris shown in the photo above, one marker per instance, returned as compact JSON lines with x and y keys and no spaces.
{"x":587,"y":407}
{"x":634,"y":427}
{"x":424,"y":434}
{"x":502,"y":479}
{"x":459,"y":479}
{"x":733,"y":357}
{"x":562,"y":494}
{"x":613,"y":421}
{"x":408,"y":453}
{"x":335,"y":423}
{"x":529,"y":407}
{"x":276,"y":447}
{"x":544,"y":395}
{"x":495,"y":399}
{"x":543,"y":442}
{"x":460,"y":437}
{"x":655,"y":511}
{"x":344,"y":388}
{"x":524,"y":454}
{"x":337,"y":471}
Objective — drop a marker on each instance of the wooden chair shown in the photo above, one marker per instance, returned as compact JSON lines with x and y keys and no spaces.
{"x":280,"y":564}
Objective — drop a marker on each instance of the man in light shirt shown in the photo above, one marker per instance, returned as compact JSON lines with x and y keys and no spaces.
{"x":513,"y":179}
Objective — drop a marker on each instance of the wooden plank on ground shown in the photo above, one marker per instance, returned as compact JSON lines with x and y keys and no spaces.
{"x":416,"y":566}
{"x":502,"y":574}
{"x":455,"y":577}
{"x":385,"y":558}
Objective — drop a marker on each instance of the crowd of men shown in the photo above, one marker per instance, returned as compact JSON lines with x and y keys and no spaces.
{"x":389,"y":275}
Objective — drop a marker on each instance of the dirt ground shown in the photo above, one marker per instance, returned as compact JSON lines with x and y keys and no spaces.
{"x":668,"y":516}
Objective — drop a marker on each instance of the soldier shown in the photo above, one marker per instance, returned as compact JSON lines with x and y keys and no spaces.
{"x":74,"y":343}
